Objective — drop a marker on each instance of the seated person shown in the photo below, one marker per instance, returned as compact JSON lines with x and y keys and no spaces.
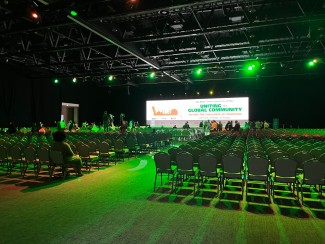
{"x":68,"y":156}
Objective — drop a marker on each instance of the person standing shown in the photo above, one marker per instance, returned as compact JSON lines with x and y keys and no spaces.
{"x":122,"y":118}
{"x":105,"y":121}
{"x":219,"y":126}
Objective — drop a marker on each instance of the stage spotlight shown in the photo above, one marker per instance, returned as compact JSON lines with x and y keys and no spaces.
{"x":73,"y":13}
{"x":35,"y":15}
{"x":198,"y":93}
{"x":312,"y":63}
{"x":110,"y":77}
{"x":152,"y":75}
{"x":74,"y":80}
{"x":56,"y":81}
{"x":211,"y":92}
{"x":252,"y":67}
{"x":198,"y":71}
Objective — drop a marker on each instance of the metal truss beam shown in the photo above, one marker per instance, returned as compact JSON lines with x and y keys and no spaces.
{"x":227,"y":28}
{"x":106,"y":35}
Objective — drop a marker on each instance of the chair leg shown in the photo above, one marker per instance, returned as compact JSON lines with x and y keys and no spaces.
{"x":302,"y":195}
{"x":272,"y":184}
{"x":172,"y":182}
{"x":194,"y":186}
{"x":154,"y":188}
{"x":246,"y":188}
{"x":242,"y":187}
{"x":321,"y":191}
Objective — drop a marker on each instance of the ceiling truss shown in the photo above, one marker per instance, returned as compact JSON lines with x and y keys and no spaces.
{"x":219,"y":36}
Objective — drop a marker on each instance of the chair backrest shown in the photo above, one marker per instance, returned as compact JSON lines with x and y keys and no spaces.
{"x":232,"y":163}
{"x":217,"y":153}
{"x":119,"y":144}
{"x":207,"y":163}
{"x":3,"y":153}
{"x":92,"y":146}
{"x":30,"y":154}
{"x":103,"y":147}
{"x":162,"y":161}
{"x":56,"y":157}
{"x":15,"y":153}
{"x":173,"y":152}
{"x":184,"y":161}
{"x":302,"y":157}
{"x":314,"y":172}
{"x":285,"y":167}
{"x":130,"y":142}
{"x":322,"y":158}
{"x":84,"y":151}
{"x":316,"y":151}
{"x":141,"y":139}
{"x":43,"y":155}
{"x":196,"y":152}
{"x":257,"y":165}
{"x":45,"y":145}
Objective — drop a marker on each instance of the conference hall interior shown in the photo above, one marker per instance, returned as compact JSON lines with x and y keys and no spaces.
{"x":171,"y":121}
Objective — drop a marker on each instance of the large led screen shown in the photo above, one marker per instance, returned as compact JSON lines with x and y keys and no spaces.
{"x":177,"y":112}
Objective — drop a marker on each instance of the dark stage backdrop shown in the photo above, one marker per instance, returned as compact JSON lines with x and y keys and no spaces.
{"x":296,"y":100}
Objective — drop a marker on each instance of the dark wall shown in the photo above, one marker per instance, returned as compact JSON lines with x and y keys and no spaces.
{"x":295,"y":100}
{"x":24,"y":101}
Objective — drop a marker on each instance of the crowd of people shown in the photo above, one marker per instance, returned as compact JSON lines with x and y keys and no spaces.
{"x":232,"y":126}
{"x":108,"y":124}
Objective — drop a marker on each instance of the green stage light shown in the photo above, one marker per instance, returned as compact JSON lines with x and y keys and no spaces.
{"x":152,"y":75}
{"x":56,"y":81}
{"x":73,"y":13}
{"x":252,"y":67}
{"x":110,"y":77}
{"x":74,"y":80}
{"x":312,"y":63}
{"x":198,"y":71}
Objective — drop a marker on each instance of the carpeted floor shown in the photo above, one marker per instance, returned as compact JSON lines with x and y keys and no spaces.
{"x":117,"y":205}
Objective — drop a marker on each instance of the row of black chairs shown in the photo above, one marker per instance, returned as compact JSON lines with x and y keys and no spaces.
{"x":257,"y":168}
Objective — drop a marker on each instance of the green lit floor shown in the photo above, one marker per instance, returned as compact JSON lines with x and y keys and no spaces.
{"x":117,"y":205}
